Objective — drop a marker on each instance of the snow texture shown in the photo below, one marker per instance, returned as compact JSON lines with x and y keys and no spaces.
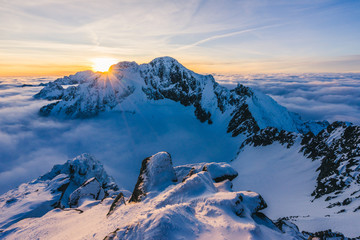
{"x":89,"y":189}
{"x":195,"y":208}
{"x":77,"y":178}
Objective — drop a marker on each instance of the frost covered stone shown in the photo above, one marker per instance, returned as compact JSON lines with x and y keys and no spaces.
{"x":156,"y":174}
{"x":220,"y":171}
{"x":195,"y":209}
{"x":55,"y":189}
{"x":89,"y":189}
{"x":81,"y":169}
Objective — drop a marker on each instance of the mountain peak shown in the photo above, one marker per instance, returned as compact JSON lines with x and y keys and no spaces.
{"x":165,"y":78}
{"x":165,"y":59}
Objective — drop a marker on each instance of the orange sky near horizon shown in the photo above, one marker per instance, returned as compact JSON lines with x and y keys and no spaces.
{"x":47,"y":37}
{"x":202,"y":66}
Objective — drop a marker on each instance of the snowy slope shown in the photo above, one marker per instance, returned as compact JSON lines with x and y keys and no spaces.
{"x":311,"y":180}
{"x":196,"y":208}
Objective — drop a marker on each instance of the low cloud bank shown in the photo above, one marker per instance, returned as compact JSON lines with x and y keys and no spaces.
{"x":331,"y":97}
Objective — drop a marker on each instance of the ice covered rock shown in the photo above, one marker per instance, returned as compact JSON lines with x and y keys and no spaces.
{"x":156,"y":174}
{"x":290,"y":228}
{"x":53,"y":190}
{"x":82,"y":168}
{"x":220,"y":171}
{"x":91,"y":189}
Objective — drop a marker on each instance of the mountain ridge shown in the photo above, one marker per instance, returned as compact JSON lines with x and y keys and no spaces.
{"x":166,"y":78}
{"x":255,"y":119}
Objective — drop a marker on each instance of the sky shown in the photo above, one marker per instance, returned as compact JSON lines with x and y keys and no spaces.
{"x":50,"y":37}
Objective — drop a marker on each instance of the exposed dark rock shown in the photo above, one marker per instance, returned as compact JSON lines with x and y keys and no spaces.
{"x":288,"y":227}
{"x":337,"y":155}
{"x":138,"y":191}
{"x":270,"y":135}
{"x":242,"y":121}
{"x":192,"y":172}
{"x":156,"y":173}
{"x":118,"y":201}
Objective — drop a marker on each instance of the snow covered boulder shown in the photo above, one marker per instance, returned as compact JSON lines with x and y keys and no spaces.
{"x":195,"y":209}
{"x":220,"y":171}
{"x":91,"y":189}
{"x":194,"y":186}
{"x":79,"y":178}
{"x":81,"y":169}
{"x":290,"y":228}
{"x":156,"y":174}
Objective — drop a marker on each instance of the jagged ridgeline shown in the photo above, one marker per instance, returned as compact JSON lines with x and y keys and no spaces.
{"x":252,"y":118}
{"x":246,"y":111}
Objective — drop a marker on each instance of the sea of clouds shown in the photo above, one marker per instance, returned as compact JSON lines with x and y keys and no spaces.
{"x":332,"y":96}
{"x":30,"y":144}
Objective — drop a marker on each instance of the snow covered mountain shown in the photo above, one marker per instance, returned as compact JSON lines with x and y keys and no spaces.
{"x":191,"y":201}
{"x":128,"y":84}
{"x":308,"y":172}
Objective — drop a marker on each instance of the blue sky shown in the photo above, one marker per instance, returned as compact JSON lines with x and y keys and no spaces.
{"x":50,"y":37}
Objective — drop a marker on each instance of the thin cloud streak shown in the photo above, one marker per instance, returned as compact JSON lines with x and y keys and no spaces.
{"x":226,"y":35}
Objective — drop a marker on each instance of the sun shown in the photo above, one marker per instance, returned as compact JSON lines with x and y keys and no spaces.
{"x":102,"y":64}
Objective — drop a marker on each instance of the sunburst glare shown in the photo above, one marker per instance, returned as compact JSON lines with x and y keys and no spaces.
{"x":102,"y":64}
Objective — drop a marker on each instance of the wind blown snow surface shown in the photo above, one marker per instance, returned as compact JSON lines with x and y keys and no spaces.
{"x":170,"y":207}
